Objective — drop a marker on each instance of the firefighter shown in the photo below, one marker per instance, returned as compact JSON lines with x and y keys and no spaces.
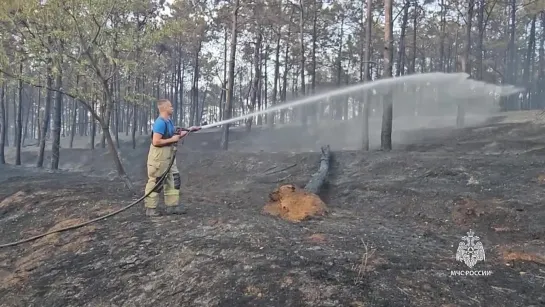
{"x":163,"y":137}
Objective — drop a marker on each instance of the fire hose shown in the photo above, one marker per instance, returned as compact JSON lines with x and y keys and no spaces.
{"x":157,"y":184}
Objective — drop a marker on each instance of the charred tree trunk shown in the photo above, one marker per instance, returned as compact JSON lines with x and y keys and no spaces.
{"x":318,"y":179}
{"x":294,"y":204}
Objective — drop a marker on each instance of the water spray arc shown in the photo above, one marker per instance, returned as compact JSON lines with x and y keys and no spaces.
{"x":446,"y":80}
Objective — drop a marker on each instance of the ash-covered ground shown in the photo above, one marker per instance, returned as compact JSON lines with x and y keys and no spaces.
{"x":390,"y":239}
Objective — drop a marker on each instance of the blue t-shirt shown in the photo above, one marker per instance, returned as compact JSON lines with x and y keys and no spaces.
{"x":161,"y":125}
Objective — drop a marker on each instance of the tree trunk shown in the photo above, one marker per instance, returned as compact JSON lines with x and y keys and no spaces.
{"x":74,"y":117}
{"x":313,"y":108}
{"x":135,"y":113}
{"x":460,"y":114}
{"x":38,"y":117}
{"x":29,"y":108}
{"x":303,"y":109}
{"x":467,"y":52}
{"x":366,"y":105}
{"x":264,"y":87}
{"x":47,"y":111}
{"x":93,"y":127}
{"x":415,"y":24}
{"x":74,"y":123}
{"x":182,"y":113}
{"x":480,"y":48}
{"x":335,"y":105}
{"x":230,"y":82}
{"x":19,"y":120}
{"x":511,"y":74}
{"x":255,"y":81}
{"x":442,"y":34}
{"x":528,"y":62}
{"x":541,"y":77}
{"x":2,"y":122}
{"x":224,"y":81}
{"x":57,"y":116}
{"x":117,"y":106}
{"x":286,"y":71}
{"x":386,"y":132}
{"x":270,"y":119}
{"x":194,"y":120}
{"x":401,"y":53}
{"x":317,"y":181}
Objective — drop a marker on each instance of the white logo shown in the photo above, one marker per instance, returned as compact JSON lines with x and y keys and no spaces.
{"x":471,"y":250}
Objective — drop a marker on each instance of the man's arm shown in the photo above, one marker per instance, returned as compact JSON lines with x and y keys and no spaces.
{"x":190,"y":129}
{"x":185,"y":131}
{"x":159,"y":141}
{"x":158,"y":130}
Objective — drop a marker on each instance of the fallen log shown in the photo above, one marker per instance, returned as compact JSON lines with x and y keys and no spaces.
{"x":316,"y":182}
{"x":294,"y":204}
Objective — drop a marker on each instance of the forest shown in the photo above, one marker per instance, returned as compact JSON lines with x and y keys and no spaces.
{"x":79,"y":82}
{"x":95,"y":68}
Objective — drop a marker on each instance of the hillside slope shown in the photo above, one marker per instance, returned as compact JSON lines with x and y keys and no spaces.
{"x":397,"y":219}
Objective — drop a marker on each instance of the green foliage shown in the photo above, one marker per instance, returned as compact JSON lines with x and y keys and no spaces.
{"x":102,"y":44}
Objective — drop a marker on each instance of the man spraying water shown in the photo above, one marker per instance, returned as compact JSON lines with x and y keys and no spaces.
{"x":163,"y":136}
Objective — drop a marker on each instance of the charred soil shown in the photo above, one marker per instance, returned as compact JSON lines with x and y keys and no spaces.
{"x":394,"y":223}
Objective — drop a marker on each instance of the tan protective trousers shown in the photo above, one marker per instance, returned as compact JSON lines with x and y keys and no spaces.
{"x":158,"y":161}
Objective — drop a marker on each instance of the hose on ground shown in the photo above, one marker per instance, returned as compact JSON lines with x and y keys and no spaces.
{"x":159,"y":182}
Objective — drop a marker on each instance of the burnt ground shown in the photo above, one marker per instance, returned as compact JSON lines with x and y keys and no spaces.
{"x":390,"y":239}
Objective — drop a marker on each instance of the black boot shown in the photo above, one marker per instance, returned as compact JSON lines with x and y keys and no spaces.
{"x":151,"y":212}
{"x":179,"y":209}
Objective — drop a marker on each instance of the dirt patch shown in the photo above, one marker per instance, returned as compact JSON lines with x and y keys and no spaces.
{"x":14,"y":199}
{"x":533,"y":251}
{"x":468,"y":211}
{"x":317,"y":238}
{"x":44,"y":247}
{"x":294,"y":204}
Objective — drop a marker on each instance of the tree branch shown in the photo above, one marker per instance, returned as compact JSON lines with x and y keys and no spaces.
{"x":60,"y":91}
{"x":488,"y":13}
